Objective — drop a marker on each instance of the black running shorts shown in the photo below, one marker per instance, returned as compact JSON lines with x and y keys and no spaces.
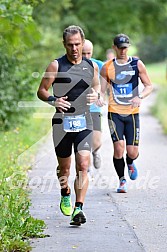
{"x":64,"y":141}
{"x":124,"y":127}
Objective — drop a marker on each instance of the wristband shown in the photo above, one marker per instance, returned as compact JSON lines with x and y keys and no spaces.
{"x":51,"y":100}
{"x":98,"y":97}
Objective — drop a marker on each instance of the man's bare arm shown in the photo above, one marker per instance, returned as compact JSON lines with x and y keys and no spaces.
{"x":148,"y":87}
{"x":103,"y":80}
{"x":46,"y":82}
{"x":96,"y":82}
{"x":95,"y":94}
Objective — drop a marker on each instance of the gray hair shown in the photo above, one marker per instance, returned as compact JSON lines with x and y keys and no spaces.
{"x":71,"y":30}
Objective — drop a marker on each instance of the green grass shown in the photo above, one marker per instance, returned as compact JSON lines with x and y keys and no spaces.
{"x":132,"y":50}
{"x":158,"y":75}
{"x":16,"y":223}
{"x":159,"y":110}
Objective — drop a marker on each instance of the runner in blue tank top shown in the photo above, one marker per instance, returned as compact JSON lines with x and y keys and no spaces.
{"x":94,"y":109}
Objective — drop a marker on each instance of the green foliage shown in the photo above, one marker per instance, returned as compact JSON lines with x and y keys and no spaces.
{"x":17,"y":85}
{"x":17,"y":226}
{"x":104,"y":19}
{"x":158,"y":75}
{"x":17,"y":27}
{"x":51,"y":17}
{"x":158,"y":72}
{"x":100,"y":20}
{"x":16,"y":223}
{"x":19,"y":35}
{"x":33,"y":2}
{"x":18,"y":140}
{"x":153,"y":50}
{"x":153,"y":16}
{"x":160,"y":108}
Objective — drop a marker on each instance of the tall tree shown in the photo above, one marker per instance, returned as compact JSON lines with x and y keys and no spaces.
{"x":18,"y":34}
{"x":104,"y":19}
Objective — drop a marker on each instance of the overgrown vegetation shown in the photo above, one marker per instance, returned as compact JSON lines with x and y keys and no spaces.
{"x":158,"y":74}
{"x":157,"y":52}
{"x":17,"y":226}
{"x":19,"y":36}
{"x":160,"y":111}
{"x":147,"y":17}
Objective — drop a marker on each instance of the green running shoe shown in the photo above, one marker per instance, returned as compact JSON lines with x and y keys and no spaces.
{"x":78,"y":217}
{"x":66,"y":205}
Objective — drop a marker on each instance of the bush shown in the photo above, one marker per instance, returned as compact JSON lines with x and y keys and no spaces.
{"x":151,"y":50}
{"x":17,"y":226}
{"x":19,"y":36}
{"x":160,"y":108}
{"x":16,"y":223}
{"x":16,"y":85}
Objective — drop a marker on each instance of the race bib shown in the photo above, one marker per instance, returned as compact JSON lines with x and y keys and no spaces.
{"x":123,"y":90}
{"x":74,"y":123}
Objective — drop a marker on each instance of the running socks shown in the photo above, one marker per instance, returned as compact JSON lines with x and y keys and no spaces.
{"x":129,"y":160}
{"x":79,"y":204}
{"x":65,"y":191}
{"x":119,"y":165}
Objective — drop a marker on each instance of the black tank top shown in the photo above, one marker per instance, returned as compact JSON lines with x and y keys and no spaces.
{"x":124,"y":75}
{"x":74,"y":81}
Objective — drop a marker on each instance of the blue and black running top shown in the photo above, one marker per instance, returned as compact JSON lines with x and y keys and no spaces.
{"x":74,"y":81}
{"x":94,"y":107}
{"x":123,"y":81}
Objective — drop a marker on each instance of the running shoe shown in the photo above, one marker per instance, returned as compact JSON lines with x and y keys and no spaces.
{"x":96,"y":159}
{"x":66,"y":205}
{"x":122,"y":186}
{"x":78,"y":217}
{"x":132,"y":171}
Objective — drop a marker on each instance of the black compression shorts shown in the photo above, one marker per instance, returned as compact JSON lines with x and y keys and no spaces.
{"x":63,"y":142}
{"x":124,"y":126}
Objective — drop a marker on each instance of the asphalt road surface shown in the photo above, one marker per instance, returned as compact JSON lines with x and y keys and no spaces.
{"x":131,"y":222}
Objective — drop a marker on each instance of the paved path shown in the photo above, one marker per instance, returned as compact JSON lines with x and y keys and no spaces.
{"x":131,"y":222}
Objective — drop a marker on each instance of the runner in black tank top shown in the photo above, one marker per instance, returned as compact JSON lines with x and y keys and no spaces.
{"x":73,"y":81}
{"x":75,"y":85}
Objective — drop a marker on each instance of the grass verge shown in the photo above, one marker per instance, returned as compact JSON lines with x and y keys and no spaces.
{"x":158,"y":75}
{"x":16,"y":223}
